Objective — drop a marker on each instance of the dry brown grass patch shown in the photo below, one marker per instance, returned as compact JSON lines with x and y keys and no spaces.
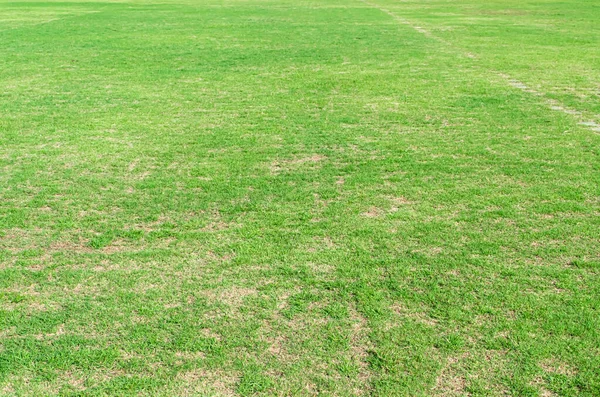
{"x":232,"y":296}
{"x":207,"y":382}
{"x":59,"y":331}
{"x":555,"y":366}
{"x":450,"y":382}
{"x":399,"y":201}
{"x":373,"y":212}
{"x":190,"y":356}
{"x":418,"y":317}
{"x":70,"y":246}
{"x":290,"y":164}
{"x":360,"y":344}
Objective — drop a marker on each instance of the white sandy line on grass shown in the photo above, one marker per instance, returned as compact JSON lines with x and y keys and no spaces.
{"x":551,"y":103}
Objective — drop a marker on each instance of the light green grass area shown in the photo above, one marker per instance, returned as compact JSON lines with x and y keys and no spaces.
{"x":294,"y":198}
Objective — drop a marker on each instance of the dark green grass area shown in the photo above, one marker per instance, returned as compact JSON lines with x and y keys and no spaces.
{"x":298,"y":198}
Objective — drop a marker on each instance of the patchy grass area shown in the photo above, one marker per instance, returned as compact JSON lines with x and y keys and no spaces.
{"x":300,"y":197}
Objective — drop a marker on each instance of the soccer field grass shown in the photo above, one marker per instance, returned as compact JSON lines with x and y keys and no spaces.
{"x":294,"y":198}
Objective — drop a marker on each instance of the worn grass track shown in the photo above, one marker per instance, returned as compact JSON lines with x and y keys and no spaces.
{"x":299,"y":198}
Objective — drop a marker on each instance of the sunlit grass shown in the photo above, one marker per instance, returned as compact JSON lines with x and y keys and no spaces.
{"x":299,"y":198}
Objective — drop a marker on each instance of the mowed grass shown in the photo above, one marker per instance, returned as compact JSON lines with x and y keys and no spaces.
{"x":299,"y":197}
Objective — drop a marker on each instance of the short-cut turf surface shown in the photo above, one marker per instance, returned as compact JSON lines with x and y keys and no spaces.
{"x":293,"y":197}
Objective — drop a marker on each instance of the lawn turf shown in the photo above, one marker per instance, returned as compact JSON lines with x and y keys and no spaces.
{"x":299,"y":197}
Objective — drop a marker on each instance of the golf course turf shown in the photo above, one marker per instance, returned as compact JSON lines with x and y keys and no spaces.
{"x":296,"y":198}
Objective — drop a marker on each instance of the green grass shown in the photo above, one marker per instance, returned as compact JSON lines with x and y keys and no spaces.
{"x":299,"y":197}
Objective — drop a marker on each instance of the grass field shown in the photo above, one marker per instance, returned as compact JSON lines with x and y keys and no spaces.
{"x":285,"y":197}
